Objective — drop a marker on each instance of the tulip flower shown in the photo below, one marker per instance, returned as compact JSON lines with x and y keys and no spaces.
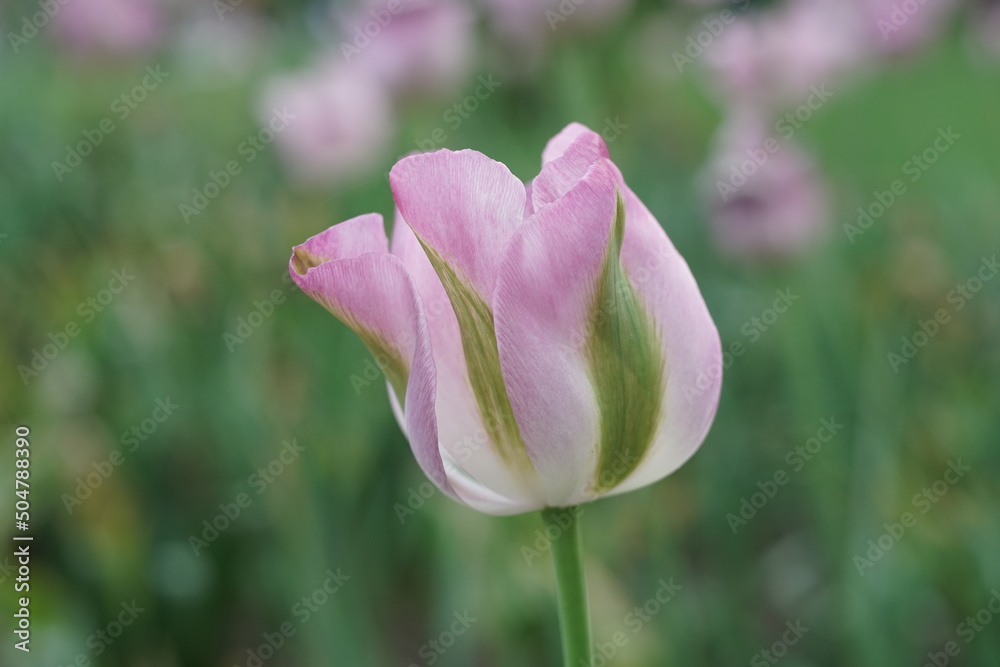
{"x":418,"y":45}
{"x":342,"y":121}
{"x":109,"y":27}
{"x":776,"y":57}
{"x":896,"y":28}
{"x":542,"y":345}
{"x":764,"y":205}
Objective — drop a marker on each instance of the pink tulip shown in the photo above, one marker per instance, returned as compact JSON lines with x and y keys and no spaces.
{"x":764,"y":204}
{"x":110,"y":27}
{"x":538,"y":355}
{"x":897,"y":26}
{"x":775,"y":57}
{"x":341,"y":124}
{"x":412,"y":45}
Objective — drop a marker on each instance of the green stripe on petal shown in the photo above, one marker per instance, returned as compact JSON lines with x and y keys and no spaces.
{"x":482,"y":358}
{"x":627,"y":363}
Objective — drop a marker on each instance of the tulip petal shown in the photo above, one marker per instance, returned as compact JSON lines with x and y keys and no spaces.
{"x":463,"y":208}
{"x":582,"y":359}
{"x":627,"y":364}
{"x":671,"y":296}
{"x":558,"y":144}
{"x":477,"y":472}
{"x":693,"y":349}
{"x":348,"y":270}
{"x":566,"y":166}
{"x":463,"y":205}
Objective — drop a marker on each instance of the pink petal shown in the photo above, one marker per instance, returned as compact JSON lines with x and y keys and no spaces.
{"x":349,"y":271}
{"x":551,"y":317}
{"x":476,"y":472}
{"x":463,"y":205}
{"x":558,"y":144}
{"x":694,"y":352}
{"x":543,"y":300}
{"x":566,"y":163}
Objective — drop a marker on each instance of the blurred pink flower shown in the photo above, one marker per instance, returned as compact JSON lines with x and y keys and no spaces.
{"x":109,"y":27}
{"x":341,"y":121}
{"x":765,"y":195}
{"x":898,"y":26}
{"x":412,"y":45}
{"x":774,"y":57}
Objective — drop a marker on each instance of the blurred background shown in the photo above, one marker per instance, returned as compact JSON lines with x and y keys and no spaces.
{"x":217,"y":478}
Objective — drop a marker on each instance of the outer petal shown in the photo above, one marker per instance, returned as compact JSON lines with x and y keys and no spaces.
{"x":693,"y":349}
{"x":668,"y":293}
{"x":463,"y":205}
{"x":478,"y":475}
{"x":543,"y":300}
{"x":566,"y":163}
{"x":558,"y":144}
{"x":463,"y":208}
{"x":671,"y":296}
{"x":348,"y":270}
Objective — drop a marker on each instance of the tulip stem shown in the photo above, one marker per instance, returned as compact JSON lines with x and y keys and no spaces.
{"x":574,"y":617}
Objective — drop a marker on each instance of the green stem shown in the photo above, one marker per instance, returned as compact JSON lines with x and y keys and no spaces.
{"x":574,"y":616}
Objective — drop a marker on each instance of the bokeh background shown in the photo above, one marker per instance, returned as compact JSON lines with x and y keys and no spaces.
{"x":170,"y":372}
